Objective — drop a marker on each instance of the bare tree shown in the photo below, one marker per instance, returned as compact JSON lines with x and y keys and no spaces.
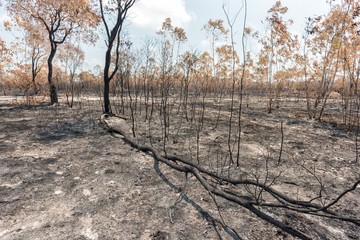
{"x":231,"y":22}
{"x":120,"y":9}
{"x":74,"y":58}
{"x":257,"y":203}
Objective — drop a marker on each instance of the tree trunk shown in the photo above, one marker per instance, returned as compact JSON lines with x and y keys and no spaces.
{"x":107,"y":80}
{"x":33,"y":74}
{"x":106,"y":95}
{"x":53,"y":94}
{"x":34,"y":83}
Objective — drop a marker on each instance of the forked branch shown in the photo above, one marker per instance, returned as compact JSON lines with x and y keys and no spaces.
{"x":206,"y":178}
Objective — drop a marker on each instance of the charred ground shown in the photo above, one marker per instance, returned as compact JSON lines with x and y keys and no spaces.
{"x":64,"y":177}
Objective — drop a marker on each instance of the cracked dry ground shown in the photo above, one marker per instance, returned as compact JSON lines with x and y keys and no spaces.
{"x":63,"y":177}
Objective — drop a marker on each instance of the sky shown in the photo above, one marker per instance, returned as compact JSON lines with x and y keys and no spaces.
{"x":146,"y":17}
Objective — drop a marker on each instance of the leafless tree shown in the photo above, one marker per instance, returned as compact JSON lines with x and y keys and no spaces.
{"x":120,"y":9}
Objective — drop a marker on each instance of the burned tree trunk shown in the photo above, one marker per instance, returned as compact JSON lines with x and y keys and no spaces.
{"x":53,"y":94}
{"x":113,"y":38}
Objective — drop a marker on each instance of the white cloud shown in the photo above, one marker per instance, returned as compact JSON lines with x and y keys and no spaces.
{"x":4,"y":18}
{"x":205,"y":43}
{"x":152,"y":13}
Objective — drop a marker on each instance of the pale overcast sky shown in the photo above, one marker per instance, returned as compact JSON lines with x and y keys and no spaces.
{"x":147,"y":16}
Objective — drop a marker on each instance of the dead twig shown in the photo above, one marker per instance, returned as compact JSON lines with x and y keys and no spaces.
{"x":285,"y":202}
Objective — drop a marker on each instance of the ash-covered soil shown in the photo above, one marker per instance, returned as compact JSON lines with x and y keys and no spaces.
{"x":62,"y":176}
